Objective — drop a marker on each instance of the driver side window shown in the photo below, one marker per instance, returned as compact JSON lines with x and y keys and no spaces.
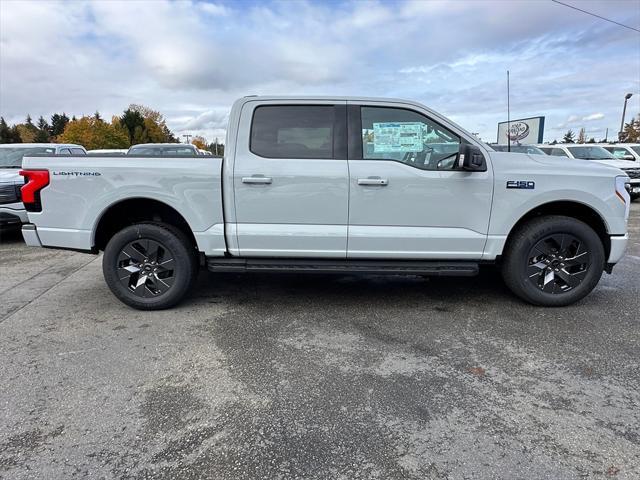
{"x":408,"y":137}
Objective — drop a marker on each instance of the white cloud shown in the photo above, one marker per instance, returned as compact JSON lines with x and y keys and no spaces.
{"x":191,"y":59}
{"x":593,"y":116}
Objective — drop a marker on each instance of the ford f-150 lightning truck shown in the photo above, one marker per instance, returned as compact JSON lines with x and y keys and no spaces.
{"x":333,"y":185}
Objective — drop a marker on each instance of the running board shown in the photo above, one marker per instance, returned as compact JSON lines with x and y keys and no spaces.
{"x":381,"y":267}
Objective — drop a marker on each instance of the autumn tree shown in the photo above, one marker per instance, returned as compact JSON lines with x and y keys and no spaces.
{"x":95,"y":133}
{"x":631,"y":131}
{"x":569,"y":137}
{"x":200,"y":142}
{"x":146,"y":125}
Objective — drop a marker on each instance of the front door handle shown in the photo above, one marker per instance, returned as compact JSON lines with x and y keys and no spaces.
{"x":256,"y":180}
{"x":381,"y":182}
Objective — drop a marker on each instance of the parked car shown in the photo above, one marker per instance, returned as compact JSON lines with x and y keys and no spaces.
{"x":163,"y":149}
{"x":108,"y":151}
{"x":598,"y":154}
{"x":530,"y":149}
{"x":624,"y":151}
{"x":12,"y":212}
{"x":297,"y":192}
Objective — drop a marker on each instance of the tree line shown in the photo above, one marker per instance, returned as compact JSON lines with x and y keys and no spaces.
{"x":137,"y":124}
{"x":630,"y":134}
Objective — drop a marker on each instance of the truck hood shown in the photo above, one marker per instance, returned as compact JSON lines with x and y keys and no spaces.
{"x":564,"y":164}
{"x":10,"y":175}
{"x":622,"y":164}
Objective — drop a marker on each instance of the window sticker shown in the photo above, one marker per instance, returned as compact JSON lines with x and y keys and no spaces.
{"x":398,"y":137}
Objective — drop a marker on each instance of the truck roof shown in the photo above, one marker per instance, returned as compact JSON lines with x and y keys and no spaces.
{"x":327,"y":97}
{"x":162,"y":145}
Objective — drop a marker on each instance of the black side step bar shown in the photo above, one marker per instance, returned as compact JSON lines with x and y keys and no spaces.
{"x":378,"y":267}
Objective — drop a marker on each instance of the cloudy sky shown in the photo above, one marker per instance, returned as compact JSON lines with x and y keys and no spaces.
{"x":191,"y":59}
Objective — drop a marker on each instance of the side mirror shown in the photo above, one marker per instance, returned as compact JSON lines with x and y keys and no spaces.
{"x":472,"y":159}
{"x":628,"y":156}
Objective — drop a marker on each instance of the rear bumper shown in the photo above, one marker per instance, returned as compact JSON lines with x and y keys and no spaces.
{"x":30,"y":234}
{"x":618,"y":245}
{"x":13,"y":214}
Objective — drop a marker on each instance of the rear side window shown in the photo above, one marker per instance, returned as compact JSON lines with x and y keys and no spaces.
{"x":77,"y":151}
{"x":293,"y":131}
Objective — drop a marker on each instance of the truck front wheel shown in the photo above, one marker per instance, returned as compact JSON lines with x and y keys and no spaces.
{"x":149,"y":266}
{"x":553,"y":261}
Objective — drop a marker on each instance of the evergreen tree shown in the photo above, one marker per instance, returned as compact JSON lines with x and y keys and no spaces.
{"x":133,"y":122}
{"x":44,"y":131}
{"x":569,"y":137}
{"x":58,"y":123}
{"x":5,"y":133}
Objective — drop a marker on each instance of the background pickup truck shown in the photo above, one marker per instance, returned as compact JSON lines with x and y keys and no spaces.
{"x":333,"y":185}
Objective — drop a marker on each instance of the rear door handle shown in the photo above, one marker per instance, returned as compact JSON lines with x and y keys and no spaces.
{"x":381,"y":182}
{"x":256,"y":180}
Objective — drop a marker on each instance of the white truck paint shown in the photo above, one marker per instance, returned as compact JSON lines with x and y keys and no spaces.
{"x":343,"y":213}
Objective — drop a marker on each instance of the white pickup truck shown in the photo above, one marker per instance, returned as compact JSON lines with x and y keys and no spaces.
{"x":333,"y":185}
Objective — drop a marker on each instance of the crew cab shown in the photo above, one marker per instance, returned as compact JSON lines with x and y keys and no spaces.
{"x":599,"y":154}
{"x":12,"y":212}
{"x":334,"y":185}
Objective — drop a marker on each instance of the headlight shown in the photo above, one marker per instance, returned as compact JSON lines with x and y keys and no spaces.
{"x":623,"y":194}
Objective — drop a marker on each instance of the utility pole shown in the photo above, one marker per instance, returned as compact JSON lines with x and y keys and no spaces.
{"x":508,"y":116}
{"x":187,"y":136}
{"x":624,"y":112}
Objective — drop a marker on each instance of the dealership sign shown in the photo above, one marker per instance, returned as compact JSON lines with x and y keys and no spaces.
{"x":523,"y":131}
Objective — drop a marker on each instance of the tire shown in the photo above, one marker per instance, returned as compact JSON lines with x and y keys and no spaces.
{"x":553,"y":261}
{"x":150,"y":266}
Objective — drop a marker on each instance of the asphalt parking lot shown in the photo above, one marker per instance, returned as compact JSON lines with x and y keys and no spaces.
{"x":268,"y":376}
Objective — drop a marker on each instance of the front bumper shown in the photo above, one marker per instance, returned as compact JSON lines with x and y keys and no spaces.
{"x":635,"y":186}
{"x":618,"y":245}
{"x":30,"y":235}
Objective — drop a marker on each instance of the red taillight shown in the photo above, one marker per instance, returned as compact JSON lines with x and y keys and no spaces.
{"x":36,"y":181}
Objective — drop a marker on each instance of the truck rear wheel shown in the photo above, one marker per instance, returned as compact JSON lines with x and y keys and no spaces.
{"x":149,"y":266}
{"x":553,"y":261}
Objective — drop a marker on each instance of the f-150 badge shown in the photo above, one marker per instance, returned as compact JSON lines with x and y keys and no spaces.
{"x":521,"y":184}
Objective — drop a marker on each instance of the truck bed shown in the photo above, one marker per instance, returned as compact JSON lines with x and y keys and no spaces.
{"x":82,"y":189}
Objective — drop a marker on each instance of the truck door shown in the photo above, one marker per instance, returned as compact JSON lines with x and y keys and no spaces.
{"x":291,"y":179}
{"x":408,"y":197}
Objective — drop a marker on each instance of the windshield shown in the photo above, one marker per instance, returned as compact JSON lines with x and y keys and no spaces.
{"x":11,"y":157}
{"x":591,"y":153}
{"x":530,"y":149}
